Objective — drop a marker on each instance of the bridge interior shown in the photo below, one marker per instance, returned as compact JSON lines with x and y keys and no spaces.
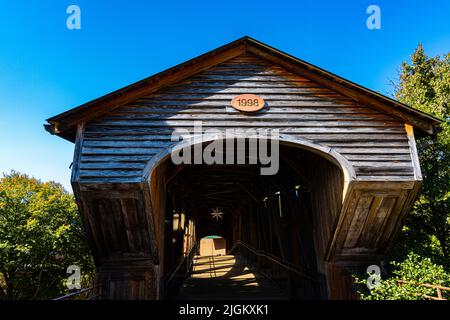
{"x":272,"y":230}
{"x":228,"y":277}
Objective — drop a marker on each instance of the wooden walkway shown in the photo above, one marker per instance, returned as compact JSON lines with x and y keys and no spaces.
{"x":227,"y":277}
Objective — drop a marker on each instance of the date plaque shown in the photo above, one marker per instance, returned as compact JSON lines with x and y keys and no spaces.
{"x":247,"y":102}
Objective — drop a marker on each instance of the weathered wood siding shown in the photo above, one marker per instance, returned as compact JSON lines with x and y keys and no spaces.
{"x":326,"y":203}
{"x":117,"y":147}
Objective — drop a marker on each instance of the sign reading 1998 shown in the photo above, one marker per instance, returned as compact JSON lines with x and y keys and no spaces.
{"x":247,"y":102}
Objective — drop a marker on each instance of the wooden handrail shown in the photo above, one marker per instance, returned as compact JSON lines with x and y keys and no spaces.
{"x":170,"y":282}
{"x":278,"y":261}
{"x":182,"y":260}
{"x":73,"y":294}
{"x":427,"y":285}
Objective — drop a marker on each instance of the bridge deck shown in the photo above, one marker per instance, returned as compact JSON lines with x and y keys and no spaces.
{"x":227,"y":277}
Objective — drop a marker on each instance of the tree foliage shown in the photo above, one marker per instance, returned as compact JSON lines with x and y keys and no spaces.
{"x":424,"y":244}
{"x":40,"y":236}
{"x":425,"y":85}
{"x":414,"y":270}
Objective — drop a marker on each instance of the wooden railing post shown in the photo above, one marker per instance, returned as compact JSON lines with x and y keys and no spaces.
{"x":439,"y":293}
{"x":427,"y":285}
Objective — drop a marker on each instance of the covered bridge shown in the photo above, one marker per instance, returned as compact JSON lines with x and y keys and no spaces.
{"x":348,"y":174}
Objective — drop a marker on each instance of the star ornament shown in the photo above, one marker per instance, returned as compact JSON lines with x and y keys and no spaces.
{"x":216,"y":214}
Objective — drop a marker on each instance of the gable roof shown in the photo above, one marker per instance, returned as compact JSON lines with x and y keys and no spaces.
{"x":65,"y":124}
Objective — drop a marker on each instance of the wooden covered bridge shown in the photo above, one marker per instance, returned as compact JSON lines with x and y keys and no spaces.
{"x":348,"y":173}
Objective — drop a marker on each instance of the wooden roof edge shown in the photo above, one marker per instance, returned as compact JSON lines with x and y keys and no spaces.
{"x":350,"y":84}
{"x":74,"y":112}
{"x":66,"y":121}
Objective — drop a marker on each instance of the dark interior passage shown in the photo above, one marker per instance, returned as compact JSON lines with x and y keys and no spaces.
{"x":274,"y":219}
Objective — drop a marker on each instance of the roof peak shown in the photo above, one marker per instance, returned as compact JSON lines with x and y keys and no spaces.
{"x":65,"y":123}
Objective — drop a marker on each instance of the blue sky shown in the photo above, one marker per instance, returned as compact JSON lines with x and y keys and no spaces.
{"x":46,"y":69}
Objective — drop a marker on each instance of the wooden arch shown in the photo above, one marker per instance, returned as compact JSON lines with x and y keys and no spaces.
{"x":288,"y":140}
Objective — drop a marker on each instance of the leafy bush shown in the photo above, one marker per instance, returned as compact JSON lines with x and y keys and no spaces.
{"x":423,"y":246}
{"x":414,"y":269}
{"x":424,"y":84}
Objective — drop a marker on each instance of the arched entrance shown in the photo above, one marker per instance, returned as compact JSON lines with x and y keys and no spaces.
{"x":142,"y":215}
{"x":282,"y":221}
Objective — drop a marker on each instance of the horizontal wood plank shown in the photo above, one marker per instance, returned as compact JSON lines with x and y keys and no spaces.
{"x":123,"y":141}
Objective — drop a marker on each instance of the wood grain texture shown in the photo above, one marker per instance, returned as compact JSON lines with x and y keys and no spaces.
{"x":372,"y":213}
{"x":326,"y":203}
{"x":119,"y":144}
{"x":243,"y":67}
{"x":127,"y":209}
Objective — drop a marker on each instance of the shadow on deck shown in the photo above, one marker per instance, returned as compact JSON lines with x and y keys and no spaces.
{"x":227,"y":277}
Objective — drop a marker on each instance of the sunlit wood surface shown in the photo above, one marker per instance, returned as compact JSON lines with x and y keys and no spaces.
{"x":227,"y":277}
